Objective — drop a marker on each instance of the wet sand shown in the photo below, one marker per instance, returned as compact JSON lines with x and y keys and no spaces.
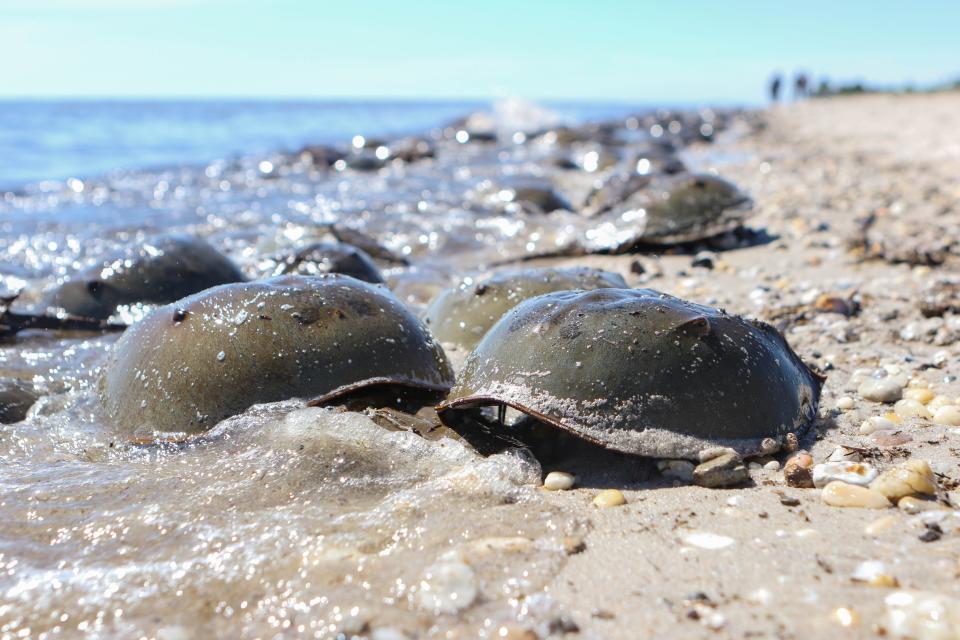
{"x":814,"y":171}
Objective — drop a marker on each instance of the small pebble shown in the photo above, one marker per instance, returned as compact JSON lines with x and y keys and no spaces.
{"x":881,"y":389}
{"x":558,"y":481}
{"x":846,"y":403}
{"x":921,"y":395}
{"x":940,"y":401}
{"x":841,"y":494}
{"x":798,"y":471}
{"x":874,"y":573}
{"x":858,"y":473}
{"x":609,"y":498}
{"x":913,"y":505}
{"x":948,"y":415}
{"x":908,"y":478}
{"x":677,"y":469}
{"x":773,"y":465}
{"x":876,"y":423}
{"x":907,"y":408}
{"x":845,"y":617}
{"x":713,"y":452}
{"x":725,"y":470}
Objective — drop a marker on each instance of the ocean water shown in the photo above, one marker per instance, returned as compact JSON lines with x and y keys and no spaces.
{"x":58,"y":139}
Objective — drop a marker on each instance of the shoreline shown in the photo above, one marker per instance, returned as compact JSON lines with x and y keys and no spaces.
{"x":855,"y":223}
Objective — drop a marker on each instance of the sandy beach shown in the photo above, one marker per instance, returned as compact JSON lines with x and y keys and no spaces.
{"x":785,"y":567}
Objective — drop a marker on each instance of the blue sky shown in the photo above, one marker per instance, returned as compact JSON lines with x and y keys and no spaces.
{"x":690,"y":51}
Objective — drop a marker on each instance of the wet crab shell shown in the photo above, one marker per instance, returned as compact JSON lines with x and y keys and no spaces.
{"x":190,"y":364}
{"x":462,"y":314}
{"x":663,"y":211}
{"x":158,"y":270}
{"x":331,"y":257}
{"x":640,"y":372}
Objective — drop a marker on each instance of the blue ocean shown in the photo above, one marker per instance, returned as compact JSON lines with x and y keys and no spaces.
{"x":55,"y":140}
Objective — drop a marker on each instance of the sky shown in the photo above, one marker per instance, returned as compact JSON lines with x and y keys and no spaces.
{"x":599,"y":50}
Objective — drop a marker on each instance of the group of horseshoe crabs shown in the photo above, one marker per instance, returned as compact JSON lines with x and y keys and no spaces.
{"x":573,"y":350}
{"x":573,"y":353}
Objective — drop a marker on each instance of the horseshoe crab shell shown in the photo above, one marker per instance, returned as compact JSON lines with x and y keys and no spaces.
{"x":160,"y":270}
{"x":643,"y":211}
{"x":331,"y":257}
{"x":190,"y":364}
{"x":640,"y":372}
{"x":462,"y":314}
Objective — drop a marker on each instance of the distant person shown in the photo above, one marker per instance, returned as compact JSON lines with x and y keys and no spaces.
{"x":775,"y":84}
{"x":800,"y":86}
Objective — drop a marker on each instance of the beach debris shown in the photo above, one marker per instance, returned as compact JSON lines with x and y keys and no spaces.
{"x":841,"y":494}
{"x":706,"y":540}
{"x":876,"y":423}
{"x":880,"y":236}
{"x":932,"y":532}
{"x":463,"y":314}
{"x":875,"y":574}
{"x":908,"y":478}
{"x":859,"y":473}
{"x":639,"y":372}
{"x":922,"y":615}
{"x":558,"y":481}
{"x":798,"y":471}
{"x":156,"y":271}
{"x":330,"y":257}
{"x":890,"y":438}
{"x":190,"y":364}
{"x":16,"y":398}
{"x":940,"y":298}
{"x":723,"y":470}
{"x":609,"y":498}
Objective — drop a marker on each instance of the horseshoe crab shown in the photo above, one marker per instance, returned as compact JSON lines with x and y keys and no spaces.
{"x":331,"y":257}
{"x":462,"y":314}
{"x":160,"y":270}
{"x":190,"y":364}
{"x":639,"y":372}
{"x":641,"y":210}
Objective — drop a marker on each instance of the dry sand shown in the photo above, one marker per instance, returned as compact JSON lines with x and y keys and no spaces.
{"x":814,"y":170}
